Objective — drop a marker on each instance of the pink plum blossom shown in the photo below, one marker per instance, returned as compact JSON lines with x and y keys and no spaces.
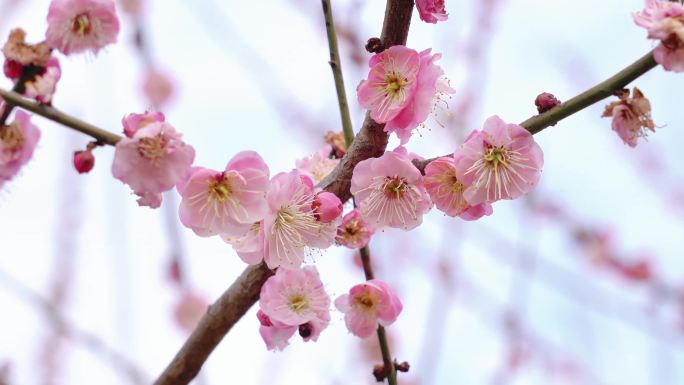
{"x":500,"y":162}
{"x":664,"y":21}
{"x":225,"y":202}
{"x":18,"y":140}
{"x":446,"y":191}
{"x":292,"y":223}
{"x":318,"y":165}
{"x":367,"y":305}
{"x":631,"y":116}
{"x":76,"y":26}
{"x":389,"y":191}
{"x":354,"y":232}
{"x":431,"y":11}
{"x":295,"y":297}
{"x":402,"y":89}
{"x":158,"y":87}
{"x":43,"y":86}
{"x":250,"y":246}
{"x":152,"y":161}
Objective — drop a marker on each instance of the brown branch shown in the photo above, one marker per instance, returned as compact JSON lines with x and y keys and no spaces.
{"x":244,"y":292}
{"x":593,"y":95}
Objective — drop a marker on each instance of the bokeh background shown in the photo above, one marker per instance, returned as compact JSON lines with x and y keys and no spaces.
{"x":580,"y":282}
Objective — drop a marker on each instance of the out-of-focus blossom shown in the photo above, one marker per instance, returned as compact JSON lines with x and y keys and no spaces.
{"x":318,"y":165}
{"x":189,"y":310}
{"x":249,"y":247}
{"x":17,"y":142}
{"x":158,"y":87}
{"x":295,"y":297}
{"x":337,"y":142}
{"x":291,"y":224}
{"x":446,"y":191}
{"x":368,"y":304}
{"x":43,"y":86}
{"x":431,"y":11}
{"x":18,"y":53}
{"x":327,"y":206}
{"x":152,"y":161}
{"x":76,"y":26}
{"x":500,"y":162}
{"x":631,"y":116}
{"x":132,"y":7}
{"x":389,"y":191}
{"x":664,"y":21}
{"x":402,"y":89}
{"x":354,"y":232}
{"x":225,"y":202}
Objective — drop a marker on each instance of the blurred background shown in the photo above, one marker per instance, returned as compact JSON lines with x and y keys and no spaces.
{"x":580,"y":282}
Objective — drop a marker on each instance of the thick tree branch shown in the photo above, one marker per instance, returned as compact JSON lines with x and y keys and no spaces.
{"x":593,"y":95}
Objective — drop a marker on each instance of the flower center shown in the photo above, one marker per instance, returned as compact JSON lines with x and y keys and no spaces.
{"x":394,"y":187}
{"x":153,"y":148}
{"x":298,"y":303}
{"x":365,"y":300}
{"x":395,"y":83}
{"x":82,"y":25}
{"x":12,"y":138}
{"x":495,"y":156}
{"x":221,"y":191}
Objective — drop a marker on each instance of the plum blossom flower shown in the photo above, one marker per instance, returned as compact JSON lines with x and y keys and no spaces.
{"x":158,"y":87}
{"x":250,"y":246}
{"x":132,"y":122}
{"x":402,"y":89}
{"x":189,"y":309}
{"x":17,"y":142}
{"x":500,"y":162}
{"x":354,"y":232}
{"x":431,"y":11}
{"x":225,"y":202}
{"x":389,"y":191}
{"x":292,"y":223}
{"x":318,"y":165}
{"x":19,"y":54}
{"x":296,"y":297}
{"x":631,"y":116}
{"x":664,"y":21}
{"x":43,"y":85}
{"x":76,"y":26}
{"x":152,"y":161}
{"x":446,"y":191}
{"x":367,"y":305}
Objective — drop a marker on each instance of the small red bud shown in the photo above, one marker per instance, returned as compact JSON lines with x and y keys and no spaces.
{"x":545,"y":101}
{"x":12,"y":69}
{"x":84,"y":161}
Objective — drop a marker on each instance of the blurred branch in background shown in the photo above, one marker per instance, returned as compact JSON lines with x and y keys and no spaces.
{"x":89,"y":341}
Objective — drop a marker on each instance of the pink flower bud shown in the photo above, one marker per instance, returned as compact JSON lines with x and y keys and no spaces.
{"x":327,"y":206}
{"x":84,"y":161}
{"x":546,"y":101}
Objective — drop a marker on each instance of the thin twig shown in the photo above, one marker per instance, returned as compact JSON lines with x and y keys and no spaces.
{"x":593,"y":95}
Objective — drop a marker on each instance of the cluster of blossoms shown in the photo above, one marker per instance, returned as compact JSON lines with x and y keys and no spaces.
{"x":664,"y":21}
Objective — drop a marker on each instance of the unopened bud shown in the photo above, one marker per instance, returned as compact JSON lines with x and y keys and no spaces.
{"x":305,"y":330}
{"x":546,"y":101}
{"x":374,"y":45}
{"x":84,"y":161}
{"x":12,"y":69}
{"x":327,"y":206}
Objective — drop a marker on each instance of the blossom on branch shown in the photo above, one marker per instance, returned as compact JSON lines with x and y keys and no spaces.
{"x":76,"y":26}
{"x":293,"y":223}
{"x":367,"y":305}
{"x":152,"y":161}
{"x":17,"y":142}
{"x":318,"y":165}
{"x":354,"y":232}
{"x":500,"y":162}
{"x":43,"y":86}
{"x":389,"y":191}
{"x":431,"y":11}
{"x":664,"y":21}
{"x":446,"y":191}
{"x":402,"y":89}
{"x":225,"y":202}
{"x":631,"y":116}
{"x":293,"y":298}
